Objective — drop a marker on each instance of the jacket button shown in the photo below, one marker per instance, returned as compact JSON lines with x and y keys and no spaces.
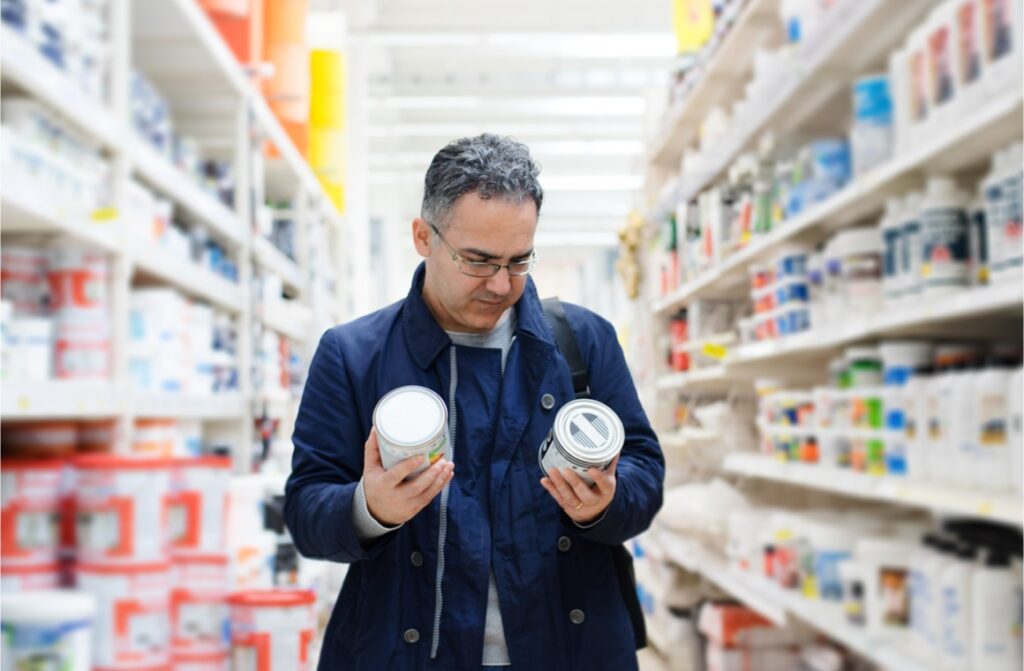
{"x":411,"y":636}
{"x":547,"y":401}
{"x":564,"y":543}
{"x":576,"y":616}
{"x":416,"y":559}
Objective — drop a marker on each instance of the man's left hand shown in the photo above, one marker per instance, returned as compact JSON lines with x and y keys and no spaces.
{"x":583,"y":503}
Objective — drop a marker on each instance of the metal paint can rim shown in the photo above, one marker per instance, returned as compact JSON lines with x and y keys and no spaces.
{"x":605,"y":436}
{"x":428,"y":437}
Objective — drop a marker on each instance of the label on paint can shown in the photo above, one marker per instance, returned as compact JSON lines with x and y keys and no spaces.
{"x":411,"y":421}
{"x":586,"y":434}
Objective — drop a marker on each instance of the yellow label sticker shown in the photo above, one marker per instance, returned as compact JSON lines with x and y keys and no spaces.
{"x":105,"y":214}
{"x":715,"y":351}
{"x":24,"y":403}
{"x":986,"y":508}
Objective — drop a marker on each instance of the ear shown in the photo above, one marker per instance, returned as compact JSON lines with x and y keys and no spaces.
{"x":421,"y":236}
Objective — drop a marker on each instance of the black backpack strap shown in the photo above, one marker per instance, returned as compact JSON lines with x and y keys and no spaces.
{"x":621,"y":557}
{"x":570,"y":349}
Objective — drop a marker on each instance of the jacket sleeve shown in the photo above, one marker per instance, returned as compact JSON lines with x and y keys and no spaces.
{"x":640,"y":474}
{"x":327,"y":462}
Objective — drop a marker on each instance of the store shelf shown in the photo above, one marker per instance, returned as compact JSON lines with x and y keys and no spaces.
{"x":780,"y":606}
{"x":21,"y":212}
{"x":919,"y":318}
{"x":189,"y":277}
{"x":722,"y":79}
{"x":290,"y":320}
{"x":23,"y":65}
{"x":180,"y":188}
{"x":899,"y":491}
{"x":854,"y":34}
{"x":291,"y":165}
{"x":272,"y":259}
{"x":977,"y":136}
{"x":213,"y":407}
{"x":63,"y":399}
{"x":711,"y":378}
{"x":695,"y":558}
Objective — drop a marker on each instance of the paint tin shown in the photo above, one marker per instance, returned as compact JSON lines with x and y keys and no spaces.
{"x":131,"y":628}
{"x":199,"y":610}
{"x":122,"y":506}
{"x":586,"y":434}
{"x":198,"y":505}
{"x":50,"y":630}
{"x":30,"y":493}
{"x":411,"y":421}
{"x":272,"y":629}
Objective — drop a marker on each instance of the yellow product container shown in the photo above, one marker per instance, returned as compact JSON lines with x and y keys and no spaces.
{"x":327,"y":97}
{"x":326,"y":149}
{"x":336,"y":192}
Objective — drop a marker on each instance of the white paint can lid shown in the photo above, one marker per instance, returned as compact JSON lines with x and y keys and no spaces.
{"x":46,"y":607}
{"x":409,"y":417}
{"x":589,"y":431}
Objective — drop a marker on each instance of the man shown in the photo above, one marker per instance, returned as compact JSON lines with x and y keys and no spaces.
{"x":478,"y":561}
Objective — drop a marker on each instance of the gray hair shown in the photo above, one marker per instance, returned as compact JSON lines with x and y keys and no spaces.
{"x":492,"y":166}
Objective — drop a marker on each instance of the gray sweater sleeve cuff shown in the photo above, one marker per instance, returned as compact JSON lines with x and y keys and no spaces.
{"x":367,"y":528}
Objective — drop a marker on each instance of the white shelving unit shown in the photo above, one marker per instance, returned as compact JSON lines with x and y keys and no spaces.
{"x":174,"y":45}
{"x":780,"y":606}
{"x":888,"y":489}
{"x":854,"y":38}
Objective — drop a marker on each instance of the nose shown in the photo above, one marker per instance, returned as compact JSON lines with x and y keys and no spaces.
{"x":500,"y":284}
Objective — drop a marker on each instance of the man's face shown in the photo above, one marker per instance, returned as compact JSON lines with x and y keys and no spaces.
{"x":492,"y":230}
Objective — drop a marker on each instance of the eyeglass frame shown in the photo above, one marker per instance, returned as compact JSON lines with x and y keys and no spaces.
{"x":496,"y":267}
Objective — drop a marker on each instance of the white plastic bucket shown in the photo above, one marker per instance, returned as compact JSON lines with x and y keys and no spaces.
{"x":51,"y":629}
{"x":272,"y":629}
{"x":155,"y":437}
{"x":23,"y":278}
{"x":30,"y":340}
{"x":30,"y":509}
{"x":81,"y":349}
{"x":199,"y":609}
{"x":121,"y":507}
{"x":199,"y":505}
{"x":78,"y":283}
{"x":133,"y":604}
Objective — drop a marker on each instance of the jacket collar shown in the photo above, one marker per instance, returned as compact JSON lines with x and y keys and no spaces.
{"x":426,"y":339}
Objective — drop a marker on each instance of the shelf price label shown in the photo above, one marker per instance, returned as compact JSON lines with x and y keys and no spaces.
{"x":715,"y":351}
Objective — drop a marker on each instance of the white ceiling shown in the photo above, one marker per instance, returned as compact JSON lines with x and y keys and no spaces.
{"x":570,"y":78}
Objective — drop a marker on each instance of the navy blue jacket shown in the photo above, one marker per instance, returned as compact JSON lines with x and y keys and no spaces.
{"x":545,"y":567}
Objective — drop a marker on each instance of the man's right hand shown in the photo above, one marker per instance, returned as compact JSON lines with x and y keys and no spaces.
{"x":390,"y":499}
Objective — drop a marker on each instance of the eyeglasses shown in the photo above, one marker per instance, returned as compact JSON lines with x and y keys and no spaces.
{"x":485,"y":269}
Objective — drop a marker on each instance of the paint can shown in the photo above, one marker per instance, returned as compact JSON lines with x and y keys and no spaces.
{"x":121,"y":507}
{"x":272,"y":629}
{"x":586,"y":434}
{"x":411,"y":421}
{"x":198,"y":505}
{"x":199,"y":610}
{"x":51,"y":629}
{"x":133,"y":604}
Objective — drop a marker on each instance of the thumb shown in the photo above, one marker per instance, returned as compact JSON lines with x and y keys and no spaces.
{"x":371,"y":454}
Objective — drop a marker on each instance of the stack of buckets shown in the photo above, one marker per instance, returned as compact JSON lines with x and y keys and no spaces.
{"x":327,"y":124}
{"x":78,"y":300}
{"x":145,"y":537}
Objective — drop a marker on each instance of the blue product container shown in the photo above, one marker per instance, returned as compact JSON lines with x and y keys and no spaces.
{"x":789,"y":265}
{"x":872,"y":102}
{"x":793,"y":320}
{"x":792,"y":292}
{"x":830,"y":163}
